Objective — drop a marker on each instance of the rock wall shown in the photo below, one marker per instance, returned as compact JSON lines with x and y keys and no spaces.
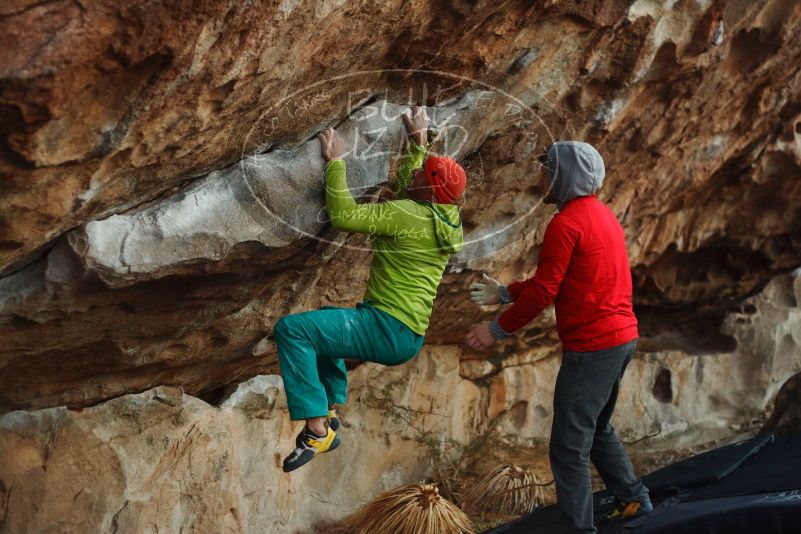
{"x":109,"y":219}
{"x":161,"y":208}
{"x":166,"y":461}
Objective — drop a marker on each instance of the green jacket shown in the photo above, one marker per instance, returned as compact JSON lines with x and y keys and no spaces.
{"x":412,"y":241}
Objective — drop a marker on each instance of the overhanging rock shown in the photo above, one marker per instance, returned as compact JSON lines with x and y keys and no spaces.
{"x":274,"y":199}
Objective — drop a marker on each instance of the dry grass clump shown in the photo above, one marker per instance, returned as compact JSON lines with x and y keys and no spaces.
{"x":506,"y":490}
{"x":410,"y":509}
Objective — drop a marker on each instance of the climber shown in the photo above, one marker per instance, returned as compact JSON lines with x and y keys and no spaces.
{"x":583,"y":268}
{"x":413,"y":237}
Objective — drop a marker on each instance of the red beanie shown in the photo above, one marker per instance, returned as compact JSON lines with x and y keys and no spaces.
{"x":446,"y":178}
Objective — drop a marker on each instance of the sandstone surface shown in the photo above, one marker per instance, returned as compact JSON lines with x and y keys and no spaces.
{"x":161,"y":208}
{"x":164,"y":460}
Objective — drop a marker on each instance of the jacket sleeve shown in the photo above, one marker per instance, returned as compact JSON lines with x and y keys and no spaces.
{"x":538,"y":292}
{"x":413,"y":159}
{"x":383,"y":218}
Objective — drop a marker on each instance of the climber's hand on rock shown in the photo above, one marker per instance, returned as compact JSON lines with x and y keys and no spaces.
{"x":331,"y":144}
{"x":480,"y":337}
{"x":416,"y":121}
{"x":487,"y":293}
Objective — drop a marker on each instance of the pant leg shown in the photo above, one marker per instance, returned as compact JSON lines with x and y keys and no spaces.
{"x":583,"y":386}
{"x":569,"y":447}
{"x":302,"y":338}
{"x":334,"y":377}
{"x":607,"y":453}
{"x":311,"y":347}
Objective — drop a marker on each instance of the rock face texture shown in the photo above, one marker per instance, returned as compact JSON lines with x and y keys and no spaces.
{"x":257,"y":199}
{"x":161,"y":207}
{"x":109,"y":219}
{"x":164,"y":460}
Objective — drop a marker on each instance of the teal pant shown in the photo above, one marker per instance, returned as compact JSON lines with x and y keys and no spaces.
{"x":312,"y":346}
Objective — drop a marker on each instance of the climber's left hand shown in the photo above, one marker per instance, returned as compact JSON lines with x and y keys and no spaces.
{"x":331,"y":144}
{"x":416,"y":121}
{"x":480,"y":337}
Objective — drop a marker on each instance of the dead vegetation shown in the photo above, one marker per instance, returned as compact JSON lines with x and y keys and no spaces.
{"x":410,"y":509}
{"x":506,"y":490}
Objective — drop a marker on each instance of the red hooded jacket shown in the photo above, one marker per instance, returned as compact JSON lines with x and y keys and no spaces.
{"x":583,"y":268}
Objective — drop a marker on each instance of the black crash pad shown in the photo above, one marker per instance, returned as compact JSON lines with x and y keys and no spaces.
{"x":749,"y":487}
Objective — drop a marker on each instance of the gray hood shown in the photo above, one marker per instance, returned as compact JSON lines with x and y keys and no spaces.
{"x":576,"y":169}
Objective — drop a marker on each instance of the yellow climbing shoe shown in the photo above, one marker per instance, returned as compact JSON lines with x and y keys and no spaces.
{"x":308,"y":445}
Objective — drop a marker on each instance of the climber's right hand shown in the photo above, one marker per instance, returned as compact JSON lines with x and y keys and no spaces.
{"x":331,"y":144}
{"x":487,"y":293}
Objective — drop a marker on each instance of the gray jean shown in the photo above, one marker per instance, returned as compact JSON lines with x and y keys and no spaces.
{"x":584,"y":399}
